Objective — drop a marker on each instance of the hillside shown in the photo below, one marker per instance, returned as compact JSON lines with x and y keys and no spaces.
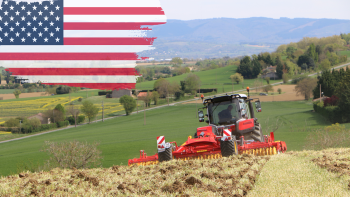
{"x":307,"y":173}
{"x":218,"y":37}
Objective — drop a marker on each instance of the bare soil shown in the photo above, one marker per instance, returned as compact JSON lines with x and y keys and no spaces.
{"x":23,"y":95}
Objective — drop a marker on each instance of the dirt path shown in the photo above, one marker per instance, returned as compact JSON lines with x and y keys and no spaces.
{"x":287,"y":175}
{"x":23,"y":95}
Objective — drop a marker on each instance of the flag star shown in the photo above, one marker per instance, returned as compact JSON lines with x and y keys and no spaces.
{"x":0,"y":28}
{"x":0,"y":8}
{"x":6,"y":13}
{"x":6,"y":34}
{"x":11,"y":8}
{"x":34,"y":39}
{"x":46,"y":18}
{"x":23,"y":28}
{"x":57,"y":8}
{"x":17,"y":2}
{"x":17,"y":23}
{"x":51,"y":13}
{"x":23,"y":7}
{"x":17,"y":34}
{"x":6,"y":2}
{"x":0,"y":39}
{"x":11,"y":39}
{"x":46,"y":29}
{"x":40,"y":2}
{"x":34,"y":7}
{"x":23,"y":18}
{"x":57,"y":18}
{"x":51,"y":34}
{"x":0,"y":18}
{"x":57,"y":29}
{"x":11,"y":18}
{"x":28,"y":24}
{"x":57,"y":39}
{"x":34,"y":28}
{"x":51,"y":2}
{"x":23,"y":39}
{"x":46,"y":39}
{"x":28,"y":2}
{"x":40,"y":34}
{"x":46,"y":7}
{"x":51,"y":24}
{"x":28,"y":13}
{"x":28,"y":34}
{"x":11,"y":28}
{"x":40,"y":13}
{"x":17,"y":13}
{"x":6,"y":23}
{"x":40,"y":23}
{"x":34,"y":18}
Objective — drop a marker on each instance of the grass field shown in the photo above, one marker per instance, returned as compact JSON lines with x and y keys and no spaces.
{"x":6,"y":91}
{"x":122,"y":138}
{"x":345,"y":53}
{"x":215,"y":78}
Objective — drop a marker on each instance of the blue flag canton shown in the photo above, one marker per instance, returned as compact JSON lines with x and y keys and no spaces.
{"x":31,"y":23}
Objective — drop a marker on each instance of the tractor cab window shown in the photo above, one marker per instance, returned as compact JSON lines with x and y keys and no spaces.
{"x":244,"y":108}
{"x":223,"y":113}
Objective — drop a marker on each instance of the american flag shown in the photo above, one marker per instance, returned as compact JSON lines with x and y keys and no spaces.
{"x":81,"y":43}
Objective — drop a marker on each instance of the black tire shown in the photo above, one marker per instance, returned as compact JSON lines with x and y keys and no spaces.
{"x":228,"y":148}
{"x":257,"y":134}
{"x":195,"y":135}
{"x":166,"y":155}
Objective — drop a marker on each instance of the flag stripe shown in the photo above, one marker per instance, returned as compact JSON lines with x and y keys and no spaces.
{"x":86,"y":64}
{"x":76,"y":49}
{"x":72,"y":71}
{"x":113,"y":11}
{"x":114,"y":18}
{"x":109,"y":3}
{"x":68,"y":56}
{"x":102,"y":86}
{"x":109,"y":26}
{"x":105,"y":33}
{"x":80,"y":78}
{"x":108,"y":41}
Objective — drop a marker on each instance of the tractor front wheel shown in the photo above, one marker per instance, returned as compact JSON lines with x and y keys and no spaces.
{"x":228,"y":148}
{"x":166,"y":155}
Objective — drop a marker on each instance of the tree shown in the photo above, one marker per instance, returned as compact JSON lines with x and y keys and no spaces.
{"x":129,"y":103}
{"x":305,"y":87}
{"x":17,"y":92}
{"x":89,"y":109}
{"x":60,"y":108}
{"x":192,"y":83}
{"x":74,"y":112}
{"x":325,"y":65}
{"x":267,"y":88}
{"x":285,"y":78}
{"x":312,"y":53}
{"x":290,"y":52}
{"x":155,"y":97}
{"x":237,"y":77}
{"x":279,"y":90}
{"x":54,"y":115}
{"x":267,"y":79}
{"x":257,"y":84}
{"x":279,"y":67}
{"x":176,"y":61}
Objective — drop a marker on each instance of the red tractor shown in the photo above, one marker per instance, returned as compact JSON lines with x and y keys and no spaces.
{"x":232,"y":129}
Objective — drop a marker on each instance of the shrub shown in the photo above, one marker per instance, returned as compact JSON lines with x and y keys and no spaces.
{"x":279,"y":90}
{"x":80,"y":119}
{"x":129,"y":103}
{"x":63,"y":90}
{"x":62,"y":123}
{"x":73,"y":154}
{"x":89,"y":109}
{"x":12,"y":122}
{"x":332,"y":101}
{"x":71,"y":120}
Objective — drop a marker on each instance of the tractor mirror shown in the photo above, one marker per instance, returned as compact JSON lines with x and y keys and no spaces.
{"x":258,"y":106}
{"x":201,"y":116}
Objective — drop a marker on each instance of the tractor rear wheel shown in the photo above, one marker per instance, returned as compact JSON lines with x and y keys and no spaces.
{"x":228,"y":148}
{"x":257,"y":134}
{"x":166,"y":155}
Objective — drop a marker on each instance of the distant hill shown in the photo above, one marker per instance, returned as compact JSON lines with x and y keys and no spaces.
{"x":207,"y":38}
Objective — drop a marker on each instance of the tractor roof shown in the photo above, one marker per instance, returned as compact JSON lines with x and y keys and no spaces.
{"x":224,"y":98}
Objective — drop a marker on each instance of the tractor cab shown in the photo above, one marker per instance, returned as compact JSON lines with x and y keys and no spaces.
{"x":234,"y":112}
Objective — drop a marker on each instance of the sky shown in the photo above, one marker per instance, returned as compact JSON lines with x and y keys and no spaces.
{"x":203,"y":9}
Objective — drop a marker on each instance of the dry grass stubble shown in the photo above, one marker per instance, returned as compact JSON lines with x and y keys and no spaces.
{"x":290,"y":175}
